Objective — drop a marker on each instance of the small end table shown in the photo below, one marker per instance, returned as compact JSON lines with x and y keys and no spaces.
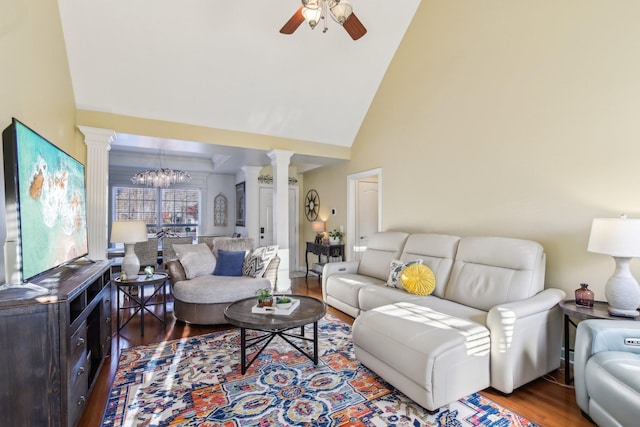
{"x":138,"y":301}
{"x":578,"y":313}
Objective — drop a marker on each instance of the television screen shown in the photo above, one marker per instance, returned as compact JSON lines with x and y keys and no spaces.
{"x":45,"y":188}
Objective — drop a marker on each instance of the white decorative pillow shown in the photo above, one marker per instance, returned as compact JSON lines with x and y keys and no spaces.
{"x":197,"y":260}
{"x":264,"y":255}
{"x":395,"y":272}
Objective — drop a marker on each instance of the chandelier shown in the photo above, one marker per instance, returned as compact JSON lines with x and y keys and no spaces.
{"x":162,"y":177}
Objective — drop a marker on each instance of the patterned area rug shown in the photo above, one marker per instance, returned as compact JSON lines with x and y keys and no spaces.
{"x":197,"y":382}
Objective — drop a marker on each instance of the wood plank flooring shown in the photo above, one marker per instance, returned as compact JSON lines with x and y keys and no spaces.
{"x":546,"y":402}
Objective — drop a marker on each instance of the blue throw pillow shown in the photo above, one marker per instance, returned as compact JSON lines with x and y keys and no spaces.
{"x":229,"y":263}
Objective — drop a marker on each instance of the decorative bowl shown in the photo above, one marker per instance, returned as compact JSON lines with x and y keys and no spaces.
{"x":284,"y":305}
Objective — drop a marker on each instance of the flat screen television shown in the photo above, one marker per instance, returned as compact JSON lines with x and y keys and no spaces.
{"x":45,"y":202}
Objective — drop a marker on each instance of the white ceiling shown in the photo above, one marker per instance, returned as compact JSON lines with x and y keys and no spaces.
{"x":224,"y":65}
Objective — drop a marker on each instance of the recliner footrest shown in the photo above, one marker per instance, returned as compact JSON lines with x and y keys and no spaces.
{"x":431,"y":357}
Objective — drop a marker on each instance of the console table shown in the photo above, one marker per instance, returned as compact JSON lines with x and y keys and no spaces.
{"x":323,"y":249}
{"x":53,"y":346}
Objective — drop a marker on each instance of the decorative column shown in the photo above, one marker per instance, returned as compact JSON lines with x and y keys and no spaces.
{"x":252,"y":200}
{"x":280,"y":160}
{"x":98,"y":143}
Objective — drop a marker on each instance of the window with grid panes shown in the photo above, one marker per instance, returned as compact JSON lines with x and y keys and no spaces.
{"x":180,"y":210}
{"x":136,"y":204}
{"x":177,"y":213}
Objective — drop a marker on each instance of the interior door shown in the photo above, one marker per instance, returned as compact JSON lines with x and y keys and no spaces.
{"x":266,"y":216}
{"x":366,"y":213}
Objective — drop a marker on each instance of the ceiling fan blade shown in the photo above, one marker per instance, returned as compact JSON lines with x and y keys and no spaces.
{"x":354,"y":27}
{"x":293,"y":23}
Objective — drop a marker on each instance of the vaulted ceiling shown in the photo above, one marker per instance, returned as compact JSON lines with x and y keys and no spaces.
{"x":224,"y":65}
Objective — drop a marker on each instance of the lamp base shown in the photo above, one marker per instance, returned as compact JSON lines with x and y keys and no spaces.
{"x":130,"y":262}
{"x":618,"y":312}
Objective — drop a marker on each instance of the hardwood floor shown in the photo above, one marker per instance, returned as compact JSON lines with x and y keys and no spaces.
{"x":548,"y":403}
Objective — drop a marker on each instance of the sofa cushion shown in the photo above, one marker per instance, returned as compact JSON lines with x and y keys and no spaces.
{"x":489,"y":271}
{"x":437,"y":252}
{"x":232,"y":244}
{"x":381,"y":249}
{"x":372,"y":297}
{"x":395,"y":271}
{"x":196,"y":260}
{"x":346,"y":286}
{"x":218,"y":289}
{"x":418,"y":279}
{"x":229,"y":263}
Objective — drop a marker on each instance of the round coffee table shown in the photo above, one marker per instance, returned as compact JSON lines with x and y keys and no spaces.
{"x":310,"y":310}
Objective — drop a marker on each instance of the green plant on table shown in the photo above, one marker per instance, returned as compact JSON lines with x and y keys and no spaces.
{"x":336,"y":234}
{"x":265,"y":299}
{"x":284,"y":300}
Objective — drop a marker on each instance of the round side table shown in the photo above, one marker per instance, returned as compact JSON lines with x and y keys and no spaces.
{"x":579,"y":313}
{"x":138,"y":300}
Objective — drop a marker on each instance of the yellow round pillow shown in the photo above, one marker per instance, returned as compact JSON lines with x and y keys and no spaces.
{"x":418,"y":279}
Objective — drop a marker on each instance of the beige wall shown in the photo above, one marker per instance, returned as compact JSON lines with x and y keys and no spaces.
{"x":35,"y":83}
{"x":508,"y":118}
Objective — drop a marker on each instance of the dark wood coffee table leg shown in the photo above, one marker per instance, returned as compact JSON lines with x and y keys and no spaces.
{"x":315,"y":343}
{"x":243,"y":350}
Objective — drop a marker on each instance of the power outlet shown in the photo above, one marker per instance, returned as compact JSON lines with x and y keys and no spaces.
{"x":632,"y":341}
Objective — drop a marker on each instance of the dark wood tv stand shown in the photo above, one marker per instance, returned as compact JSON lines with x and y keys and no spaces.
{"x":52,"y":347}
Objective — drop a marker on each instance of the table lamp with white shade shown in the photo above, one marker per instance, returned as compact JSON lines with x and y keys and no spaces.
{"x":620,"y":238}
{"x":129,"y":233}
{"x":318,"y":227}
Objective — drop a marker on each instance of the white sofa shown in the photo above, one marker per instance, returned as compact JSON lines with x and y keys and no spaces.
{"x":489,"y":321}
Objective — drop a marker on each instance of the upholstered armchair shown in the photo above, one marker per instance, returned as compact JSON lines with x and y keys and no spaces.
{"x":607,"y":371}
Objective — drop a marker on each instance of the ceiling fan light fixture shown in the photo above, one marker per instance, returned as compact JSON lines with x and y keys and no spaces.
{"x":312,"y":15}
{"x":340,"y":11}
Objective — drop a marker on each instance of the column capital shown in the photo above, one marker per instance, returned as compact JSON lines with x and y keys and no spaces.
{"x":251,"y":172}
{"x":98,"y":136}
{"x":280,"y":156}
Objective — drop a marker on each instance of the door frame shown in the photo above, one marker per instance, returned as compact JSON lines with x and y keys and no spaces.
{"x":351,"y":206}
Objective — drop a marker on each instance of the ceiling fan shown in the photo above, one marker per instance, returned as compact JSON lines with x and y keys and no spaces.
{"x":314,"y":10}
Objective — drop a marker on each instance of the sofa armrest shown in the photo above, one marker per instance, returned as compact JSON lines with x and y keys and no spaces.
{"x":542,"y":301}
{"x":595,"y":336}
{"x":337,"y":267}
{"x":525,"y":331}
{"x":175,"y":271}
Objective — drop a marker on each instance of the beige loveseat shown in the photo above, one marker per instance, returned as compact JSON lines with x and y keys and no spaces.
{"x":201,"y":300}
{"x":489,"y":321}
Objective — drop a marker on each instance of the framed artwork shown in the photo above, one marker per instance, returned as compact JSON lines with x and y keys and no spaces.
{"x":220,"y":210}
{"x":240,"y":204}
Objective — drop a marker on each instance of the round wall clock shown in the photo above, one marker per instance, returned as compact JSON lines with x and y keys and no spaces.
{"x":220,"y":210}
{"x":312,"y":205}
